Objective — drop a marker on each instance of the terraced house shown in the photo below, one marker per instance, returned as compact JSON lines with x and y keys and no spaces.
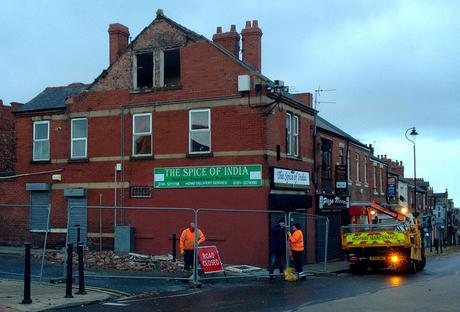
{"x":176,"y":120}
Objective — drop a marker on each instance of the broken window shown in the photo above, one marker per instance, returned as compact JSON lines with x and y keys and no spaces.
{"x":144,"y":73}
{"x":171,"y":68}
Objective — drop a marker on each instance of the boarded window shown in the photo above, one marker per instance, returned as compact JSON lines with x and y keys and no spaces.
{"x":144,"y":63}
{"x":171,"y":68}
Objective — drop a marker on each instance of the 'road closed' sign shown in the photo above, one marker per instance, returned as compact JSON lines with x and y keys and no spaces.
{"x":209,"y":259}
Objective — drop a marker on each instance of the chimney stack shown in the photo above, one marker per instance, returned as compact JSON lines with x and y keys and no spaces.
{"x":252,"y":44}
{"x":229,"y":40}
{"x":118,"y":37}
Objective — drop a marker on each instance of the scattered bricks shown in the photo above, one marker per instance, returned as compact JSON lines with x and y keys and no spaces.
{"x":108,"y":260}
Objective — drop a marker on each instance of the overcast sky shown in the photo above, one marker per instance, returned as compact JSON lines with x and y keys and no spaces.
{"x":395,"y":64}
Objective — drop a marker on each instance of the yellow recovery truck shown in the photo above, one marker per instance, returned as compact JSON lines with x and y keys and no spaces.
{"x":397,"y":245}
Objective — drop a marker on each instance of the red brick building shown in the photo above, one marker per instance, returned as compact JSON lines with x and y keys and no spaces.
{"x":349,"y":177}
{"x":7,"y":138}
{"x":176,"y":120}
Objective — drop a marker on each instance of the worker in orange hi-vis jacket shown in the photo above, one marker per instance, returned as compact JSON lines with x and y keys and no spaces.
{"x":187,"y":243}
{"x":296,"y":245}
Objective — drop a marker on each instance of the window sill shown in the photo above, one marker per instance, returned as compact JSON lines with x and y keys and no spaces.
{"x":298,"y":158}
{"x":140,"y":157}
{"x":77,"y":160}
{"x":358,"y":183}
{"x":155,"y":89}
{"x":40,"y":162}
{"x":200,"y":155}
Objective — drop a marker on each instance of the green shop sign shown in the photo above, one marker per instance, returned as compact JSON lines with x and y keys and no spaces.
{"x":208,"y":176}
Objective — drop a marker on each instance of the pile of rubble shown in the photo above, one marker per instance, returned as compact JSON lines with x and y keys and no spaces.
{"x":109,"y":260}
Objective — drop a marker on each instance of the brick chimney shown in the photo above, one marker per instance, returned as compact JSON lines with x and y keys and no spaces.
{"x":306,"y":97}
{"x":229,"y":40}
{"x":118,"y":36}
{"x":252,"y":44}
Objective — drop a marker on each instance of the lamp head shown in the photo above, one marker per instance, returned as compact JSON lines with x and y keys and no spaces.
{"x":413,"y":133}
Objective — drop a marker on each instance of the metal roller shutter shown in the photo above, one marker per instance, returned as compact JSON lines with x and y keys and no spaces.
{"x":39,"y":204}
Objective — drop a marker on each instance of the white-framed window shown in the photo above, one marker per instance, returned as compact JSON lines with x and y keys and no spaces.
{"x":357,"y":166}
{"x":381,"y":180}
{"x":142,"y":134}
{"x":79,"y":138}
{"x":288,"y":134}
{"x":365,"y":169}
{"x":295,"y":135}
{"x":292,"y":135}
{"x":200,"y":131}
{"x":41,"y":136}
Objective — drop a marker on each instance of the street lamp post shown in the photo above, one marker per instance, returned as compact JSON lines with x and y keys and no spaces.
{"x":413,"y":133}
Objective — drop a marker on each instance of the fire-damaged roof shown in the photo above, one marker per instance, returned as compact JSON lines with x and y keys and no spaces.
{"x":52,"y":98}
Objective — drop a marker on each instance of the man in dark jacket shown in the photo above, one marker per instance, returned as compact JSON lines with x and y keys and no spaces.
{"x":278,"y":248}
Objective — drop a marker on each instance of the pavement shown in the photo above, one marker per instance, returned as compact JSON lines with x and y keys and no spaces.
{"x":44,"y":296}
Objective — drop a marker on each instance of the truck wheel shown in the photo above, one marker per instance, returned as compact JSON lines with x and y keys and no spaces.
{"x":421,"y":264}
{"x":412,"y":267}
{"x":357,"y":268}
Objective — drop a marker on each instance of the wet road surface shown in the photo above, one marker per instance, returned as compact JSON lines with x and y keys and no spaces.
{"x":277,"y":295}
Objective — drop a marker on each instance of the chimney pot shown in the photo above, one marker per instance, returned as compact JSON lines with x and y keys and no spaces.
{"x":229,"y":40}
{"x":255,"y":23}
{"x":252,"y":45}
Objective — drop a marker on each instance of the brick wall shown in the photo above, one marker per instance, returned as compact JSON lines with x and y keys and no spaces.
{"x":7,"y":137}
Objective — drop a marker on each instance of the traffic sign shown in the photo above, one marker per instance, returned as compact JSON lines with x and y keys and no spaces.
{"x":209,"y":259}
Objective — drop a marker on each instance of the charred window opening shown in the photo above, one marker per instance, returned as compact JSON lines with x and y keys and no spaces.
{"x":171,"y":68}
{"x":144,"y":62}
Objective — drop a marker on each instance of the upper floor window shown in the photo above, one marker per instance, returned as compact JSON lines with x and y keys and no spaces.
{"x":357,"y":166}
{"x":200,"y":131}
{"x":365,"y":169}
{"x":374,"y":177}
{"x":143,"y":63}
{"x":79,"y":138}
{"x":142,"y":134}
{"x":341,"y":156}
{"x":41,"y":136}
{"x":381,"y":180}
{"x":170,"y":68}
{"x":292,"y":135}
{"x":348,"y":165}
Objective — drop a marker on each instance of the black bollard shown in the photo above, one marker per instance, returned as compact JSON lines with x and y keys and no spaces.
{"x":174,"y":247}
{"x":81,"y":276}
{"x":68,"y":282}
{"x":27,"y":275}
